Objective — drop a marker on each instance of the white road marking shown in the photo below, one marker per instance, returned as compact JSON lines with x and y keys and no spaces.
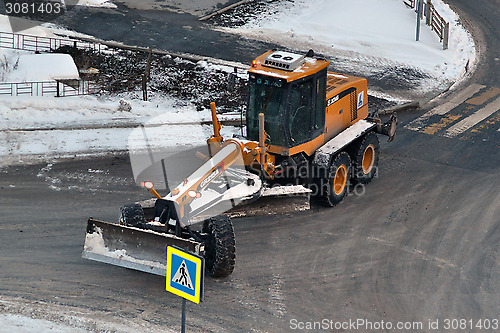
{"x":436,"y":260}
{"x":442,"y":109}
{"x":473,"y":119}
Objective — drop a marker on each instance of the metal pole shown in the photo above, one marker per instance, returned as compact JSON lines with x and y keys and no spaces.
{"x":183,"y":320}
{"x":446,"y":34}
{"x":419,"y":16}
{"x":165,"y":175}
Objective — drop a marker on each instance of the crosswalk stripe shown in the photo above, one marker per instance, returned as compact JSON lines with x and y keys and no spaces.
{"x":442,"y":109}
{"x":473,"y":119}
{"x":444,"y":122}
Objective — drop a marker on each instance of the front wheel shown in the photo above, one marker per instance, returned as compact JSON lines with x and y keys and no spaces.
{"x":220,"y":249}
{"x":132,"y":215}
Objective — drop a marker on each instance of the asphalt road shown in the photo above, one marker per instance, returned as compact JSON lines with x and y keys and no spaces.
{"x":421,"y":244}
{"x":162,"y":29}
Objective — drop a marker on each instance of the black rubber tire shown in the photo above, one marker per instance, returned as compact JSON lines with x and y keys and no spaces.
{"x":132,"y":215}
{"x":220,"y":249}
{"x":366,"y":152}
{"x":333,"y":189}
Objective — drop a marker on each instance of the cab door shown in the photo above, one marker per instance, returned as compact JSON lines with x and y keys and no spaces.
{"x":306,"y":116}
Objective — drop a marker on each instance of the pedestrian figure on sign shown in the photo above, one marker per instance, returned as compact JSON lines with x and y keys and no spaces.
{"x":182,"y":277}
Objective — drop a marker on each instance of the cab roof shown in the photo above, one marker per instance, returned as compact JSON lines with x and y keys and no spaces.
{"x":303,"y":69}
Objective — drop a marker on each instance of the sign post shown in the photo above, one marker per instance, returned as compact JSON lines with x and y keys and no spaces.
{"x":419,"y":17}
{"x":185,"y":277}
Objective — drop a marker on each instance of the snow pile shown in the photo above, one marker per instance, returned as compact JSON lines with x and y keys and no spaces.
{"x":367,"y":32}
{"x":97,"y":3}
{"x":43,"y":67}
{"x":95,"y":243}
{"x":20,"y":324}
{"x":19,"y":315}
{"x":47,"y":127}
{"x":95,"y":249}
{"x":90,"y":111}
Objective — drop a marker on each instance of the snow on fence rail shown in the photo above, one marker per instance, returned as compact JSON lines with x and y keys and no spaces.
{"x":52,"y":88}
{"x":42,"y":44}
{"x":433,"y":19}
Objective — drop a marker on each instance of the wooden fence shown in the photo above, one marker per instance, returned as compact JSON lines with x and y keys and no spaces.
{"x":433,"y":19}
{"x":437,"y":23}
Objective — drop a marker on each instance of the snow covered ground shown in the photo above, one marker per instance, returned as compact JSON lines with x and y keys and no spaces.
{"x":44,"y":127}
{"x":10,"y":323}
{"x":371,"y":41}
{"x":34,"y":128}
{"x":380,"y":36}
{"x":23,"y":316}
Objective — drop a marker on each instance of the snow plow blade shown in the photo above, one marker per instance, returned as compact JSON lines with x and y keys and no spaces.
{"x":274,"y":201}
{"x":130,"y":247}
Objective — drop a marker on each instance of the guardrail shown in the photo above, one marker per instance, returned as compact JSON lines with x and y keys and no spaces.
{"x":49,"y":88}
{"x":433,"y":19}
{"x":43,"y":44}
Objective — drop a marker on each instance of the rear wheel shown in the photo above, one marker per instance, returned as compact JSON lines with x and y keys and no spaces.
{"x":335,"y":186}
{"x":365,"y":158}
{"x":132,"y":215}
{"x":220,"y":249}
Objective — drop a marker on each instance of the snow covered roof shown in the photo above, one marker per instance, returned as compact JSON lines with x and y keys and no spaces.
{"x":307,"y":67}
{"x":44,"y":67}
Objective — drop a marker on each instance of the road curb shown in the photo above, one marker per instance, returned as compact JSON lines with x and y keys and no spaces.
{"x":235,"y":122}
{"x":220,"y":11}
{"x":184,"y":56}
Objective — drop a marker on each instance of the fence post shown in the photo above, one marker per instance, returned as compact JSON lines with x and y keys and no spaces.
{"x":446,"y":33}
{"x":145,"y":77}
{"x":419,"y":17}
{"x":428,"y":13}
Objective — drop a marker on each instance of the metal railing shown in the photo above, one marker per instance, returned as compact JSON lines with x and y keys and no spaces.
{"x":433,"y":19}
{"x":410,"y":3}
{"x":49,"y":88}
{"x":43,"y":44}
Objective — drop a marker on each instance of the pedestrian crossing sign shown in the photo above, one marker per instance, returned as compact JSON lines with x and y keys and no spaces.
{"x":185,"y":273}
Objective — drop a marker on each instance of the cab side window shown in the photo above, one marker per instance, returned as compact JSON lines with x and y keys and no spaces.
{"x":301,"y":106}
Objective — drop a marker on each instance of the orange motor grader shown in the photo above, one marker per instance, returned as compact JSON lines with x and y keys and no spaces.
{"x":304,"y":126}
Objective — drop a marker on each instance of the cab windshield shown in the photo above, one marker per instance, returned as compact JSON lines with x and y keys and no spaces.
{"x":267,"y":95}
{"x":294,"y":112}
